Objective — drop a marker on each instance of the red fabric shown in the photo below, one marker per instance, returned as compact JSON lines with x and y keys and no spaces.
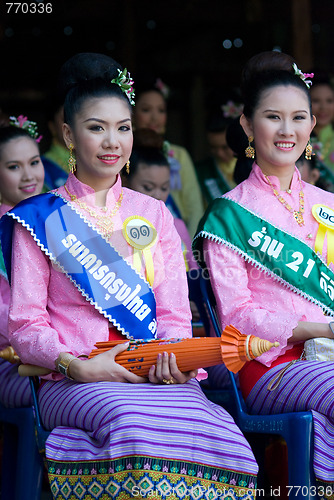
{"x":252,"y":371}
{"x":115,"y":334}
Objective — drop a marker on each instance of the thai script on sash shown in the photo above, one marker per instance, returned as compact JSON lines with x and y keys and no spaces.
{"x":107,"y":278}
{"x":273,"y":248}
{"x":293,"y":259}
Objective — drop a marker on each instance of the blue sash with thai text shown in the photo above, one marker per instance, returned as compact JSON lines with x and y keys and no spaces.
{"x":95,"y":268}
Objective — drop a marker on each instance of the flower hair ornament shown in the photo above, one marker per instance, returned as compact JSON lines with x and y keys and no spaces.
{"x":125,"y":82}
{"x":162,"y":87}
{"x":23,"y":122}
{"x":232,"y":109}
{"x":304,"y":76}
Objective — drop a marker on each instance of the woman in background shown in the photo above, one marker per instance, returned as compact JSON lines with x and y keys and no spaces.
{"x":322,"y":96}
{"x":150,"y":175}
{"x":55,"y":159}
{"x":151,"y":112}
{"x":21,"y":176}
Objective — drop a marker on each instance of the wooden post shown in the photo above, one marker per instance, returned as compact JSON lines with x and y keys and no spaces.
{"x":302,"y":33}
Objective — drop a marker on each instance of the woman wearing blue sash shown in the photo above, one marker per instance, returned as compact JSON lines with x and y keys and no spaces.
{"x":268,"y":246}
{"x":93,"y":261}
{"x":21,"y":176}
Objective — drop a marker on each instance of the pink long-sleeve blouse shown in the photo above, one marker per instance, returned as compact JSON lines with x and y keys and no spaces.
{"x":49,"y":315}
{"x":248,"y":298}
{"x":4,"y":297}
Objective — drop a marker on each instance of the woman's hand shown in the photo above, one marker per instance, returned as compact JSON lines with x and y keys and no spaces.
{"x":103,"y":368}
{"x":167,"y":372}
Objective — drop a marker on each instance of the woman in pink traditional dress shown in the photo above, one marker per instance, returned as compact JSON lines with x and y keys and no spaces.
{"x":21,"y":176}
{"x":102,"y":262}
{"x":261,"y":243}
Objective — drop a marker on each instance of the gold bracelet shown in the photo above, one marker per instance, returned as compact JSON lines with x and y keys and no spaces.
{"x":64,"y":363}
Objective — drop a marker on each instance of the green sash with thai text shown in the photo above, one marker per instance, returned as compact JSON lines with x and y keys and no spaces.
{"x":279,"y":254}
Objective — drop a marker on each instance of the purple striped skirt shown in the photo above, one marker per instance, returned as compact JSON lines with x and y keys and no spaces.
{"x":306,"y":385}
{"x":14,"y":390}
{"x":118,"y":440}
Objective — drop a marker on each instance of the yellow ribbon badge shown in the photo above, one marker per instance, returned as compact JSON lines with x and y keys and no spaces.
{"x":325,"y":216}
{"x":141,"y":235}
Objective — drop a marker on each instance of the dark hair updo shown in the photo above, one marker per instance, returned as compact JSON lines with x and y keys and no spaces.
{"x":87,"y":75}
{"x":266,"y":71}
{"x":147,"y":149}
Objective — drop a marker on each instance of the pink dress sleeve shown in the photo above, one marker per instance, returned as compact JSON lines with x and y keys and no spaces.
{"x":29,"y":322}
{"x":236,"y":305}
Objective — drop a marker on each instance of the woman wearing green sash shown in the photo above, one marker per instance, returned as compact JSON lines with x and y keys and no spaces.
{"x":268,"y":246}
{"x":94,"y":261}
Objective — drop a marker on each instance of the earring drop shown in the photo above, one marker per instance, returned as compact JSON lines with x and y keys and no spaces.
{"x":308,"y":151}
{"x":72,"y":166}
{"x":250,"y":151}
{"x":127,"y":167}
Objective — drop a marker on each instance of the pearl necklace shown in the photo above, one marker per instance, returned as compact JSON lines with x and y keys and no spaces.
{"x":103,"y":222}
{"x":298,"y":215}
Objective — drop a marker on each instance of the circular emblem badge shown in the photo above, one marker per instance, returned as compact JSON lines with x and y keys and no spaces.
{"x":139,"y":232}
{"x":324,"y":215}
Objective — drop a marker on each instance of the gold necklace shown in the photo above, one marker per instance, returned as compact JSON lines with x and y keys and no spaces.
{"x":103,"y":222}
{"x":298,"y":215}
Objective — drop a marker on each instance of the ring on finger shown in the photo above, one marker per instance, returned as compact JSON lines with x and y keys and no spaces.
{"x":168,"y":381}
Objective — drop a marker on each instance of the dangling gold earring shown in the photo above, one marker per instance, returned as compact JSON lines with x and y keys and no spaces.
{"x":127,"y":167}
{"x":308,"y":151}
{"x":72,"y":166}
{"x":250,"y":151}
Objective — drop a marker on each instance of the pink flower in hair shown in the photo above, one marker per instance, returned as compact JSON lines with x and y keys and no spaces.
{"x":232,"y":109}
{"x":22,"y":119}
{"x":23,"y":122}
{"x":304,"y":76}
{"x":162,"y":87}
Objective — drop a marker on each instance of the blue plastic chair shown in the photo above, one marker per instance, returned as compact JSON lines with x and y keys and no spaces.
{"x":41,"y":433}
{"x":224,"y":397}
{"x":296,"y":428}
{"x":22,"y":465}
{"x":195,"y":295}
